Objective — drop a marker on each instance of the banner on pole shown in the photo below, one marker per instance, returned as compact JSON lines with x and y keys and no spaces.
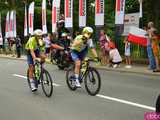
{"x":68,"y":13}
{"x":82,"y":13}
{"x":99,"y":12}
{"x":25,"y":23}
{"x":11,"y":24}
{"x":44,"y":21}
{"x":14,"y":25}
{"x":120,"y":11}
{"x":1,"y":38}
{"x":7,"y":25}
{"x":31,"y":18}
{"x":55,"y":14}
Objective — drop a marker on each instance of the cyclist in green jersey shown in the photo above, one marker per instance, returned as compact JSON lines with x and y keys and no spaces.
{"x":79,"y":50}
{"x":36,"y":51}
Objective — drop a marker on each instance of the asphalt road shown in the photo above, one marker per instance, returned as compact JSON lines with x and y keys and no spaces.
{"x":123,"y":96}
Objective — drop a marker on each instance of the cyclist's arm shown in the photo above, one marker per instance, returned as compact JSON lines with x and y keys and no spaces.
{"x":55,"y":46}
{"x":33,"y":54}
{"x":94,"y":52}
{"x":76,"y":43}
{"x":91,"y":45}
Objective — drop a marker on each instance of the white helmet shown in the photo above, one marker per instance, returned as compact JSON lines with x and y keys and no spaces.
{"x":87,"y":32}
{"x":38,"y":32}
{"x":64,"y":34}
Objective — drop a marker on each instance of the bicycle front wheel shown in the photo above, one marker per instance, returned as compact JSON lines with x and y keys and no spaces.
{"x":47,"y":83}
{"x":92,"y":81}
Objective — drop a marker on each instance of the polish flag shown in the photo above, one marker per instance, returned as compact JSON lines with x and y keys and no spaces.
{"x":137,"y":36}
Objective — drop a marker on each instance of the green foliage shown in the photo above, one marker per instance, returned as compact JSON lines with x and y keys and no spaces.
{"x":150,"y":8}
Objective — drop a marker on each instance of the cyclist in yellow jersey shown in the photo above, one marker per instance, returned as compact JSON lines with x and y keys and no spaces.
{"x":36,"y":51}
{"x":79,"y":50}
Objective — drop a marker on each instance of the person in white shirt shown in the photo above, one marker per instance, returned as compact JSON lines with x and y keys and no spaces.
{"x":115,"y":57}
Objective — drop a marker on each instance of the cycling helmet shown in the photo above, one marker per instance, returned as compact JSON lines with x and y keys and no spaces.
{"x":87,"y":32}
{"x":38,"y":32}
{"x":64,"y":34}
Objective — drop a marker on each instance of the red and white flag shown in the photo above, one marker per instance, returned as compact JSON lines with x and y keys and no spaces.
{"x":1,"y":38}
{"x":82,"y":13}
{"x":120,"y":11}
{"x":25,"y":23}
{"x":31,"y":18}
{"x":44,"y":21}
{"x":55,"y":14}
{"x":99,"y":12}
{"x":137,"y":36}
{"x":68,"y":13}
{"x":7,"y":26}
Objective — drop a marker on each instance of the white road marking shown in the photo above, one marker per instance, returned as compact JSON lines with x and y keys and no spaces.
{"x":127,"y":102}
{"x":21,"y":76}
{"x":108,"y":98}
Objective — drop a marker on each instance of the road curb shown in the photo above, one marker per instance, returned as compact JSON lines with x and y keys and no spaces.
{"x":125,"y":71}
{"x":13,"y":58}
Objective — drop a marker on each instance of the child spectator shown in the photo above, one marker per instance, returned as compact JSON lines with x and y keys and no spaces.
{"x":127,"y":53}
{"x":115,"y":58}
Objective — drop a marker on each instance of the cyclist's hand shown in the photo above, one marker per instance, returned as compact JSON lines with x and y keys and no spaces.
{"x":96,"y":59}
{"x":37,"y":60}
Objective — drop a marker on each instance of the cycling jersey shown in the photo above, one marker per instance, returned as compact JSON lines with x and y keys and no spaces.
{"x":82,"y":46}
{"x":33,"y":45}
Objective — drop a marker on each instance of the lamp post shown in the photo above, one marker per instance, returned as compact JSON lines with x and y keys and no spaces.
{"x":140,"y":13}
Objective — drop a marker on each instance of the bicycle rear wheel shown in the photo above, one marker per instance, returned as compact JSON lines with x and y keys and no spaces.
{"x":70,"y":77}
{"x":47,"y":83}
{"x":92,"y":81}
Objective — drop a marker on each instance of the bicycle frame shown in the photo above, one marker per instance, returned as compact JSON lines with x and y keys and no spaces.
{"x":82,"y":75}
{"x":38,"y":64}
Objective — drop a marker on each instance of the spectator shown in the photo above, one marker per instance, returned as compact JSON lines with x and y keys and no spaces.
{"x":127,"y":53}
{"x":12,"y":46}
{"x":6,"y":46}
{"x":115,"y":58}
{"x":18,"y":46}
{"x":47,"y":40}
{"x":61,"y":29}
{"x":65,"y":42}
{"x":153,"y":36}
{"x":152,"y":64}
{"x":104,"y":50}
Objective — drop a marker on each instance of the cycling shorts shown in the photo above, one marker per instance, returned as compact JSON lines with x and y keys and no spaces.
{"x":79,"y":55}
{"x":29,"y":56}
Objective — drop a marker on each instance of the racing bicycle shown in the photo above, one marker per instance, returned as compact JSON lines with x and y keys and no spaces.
{"x":41,"y":76}
{"x":89,"y":75}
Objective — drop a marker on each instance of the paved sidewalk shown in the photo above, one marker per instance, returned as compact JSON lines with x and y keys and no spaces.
{"x":137,"y":68}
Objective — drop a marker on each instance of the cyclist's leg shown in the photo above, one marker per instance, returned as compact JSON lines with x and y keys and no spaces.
{"x":31,"y":68}
{"x":77,"y":61}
